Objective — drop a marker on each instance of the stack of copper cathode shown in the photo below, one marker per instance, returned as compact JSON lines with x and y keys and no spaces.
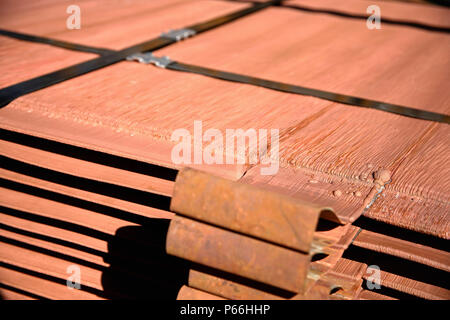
{"x":93,"y":205}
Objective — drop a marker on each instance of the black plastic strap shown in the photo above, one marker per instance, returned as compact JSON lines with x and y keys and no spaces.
{"x":326,"y":95}
{"x":10,"y":93}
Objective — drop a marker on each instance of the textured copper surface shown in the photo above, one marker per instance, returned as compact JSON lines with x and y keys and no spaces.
{"x":42,"y":229}
{"x":72,"y":252}
{"x":43,"y":287}
{"x":128,"y":206}
{"x":43,"y":59}
{"x":52,"y":209}
{"x":227,"y":288}
{"x":415,"y":218}
{"x":349,"y":275}
{"x":404,"y":249}
{"x":187,"y":293}
{"x":46,"y":264}
{"x":346,"y":275}
{"x":399,"y":214}
{"x":143,"y":19}
{"x":236,"y":290}
{"x":333,"y":251}
{"x":329,"y":237}
{"x":325,"y":56}
{"x":14,"y":295}
{"x":46,"y":237}
{"x":86,"y":169}
{"x":119,"y":142}
{"x":394,"y":10}
{"x":354,"y":144}
{"x":370,"y":295}
{"x":309,"y":185}
{"x":416,"y":288}
{"x":325,"y":238}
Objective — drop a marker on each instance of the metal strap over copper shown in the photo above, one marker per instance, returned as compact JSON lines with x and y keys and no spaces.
{"x":54,"y":42}
{"x":412,"y":24}
{"x":326,"y":95}
{"x":343,"y":14}
{"x":15,"y":91}
{"x":137,"y":52}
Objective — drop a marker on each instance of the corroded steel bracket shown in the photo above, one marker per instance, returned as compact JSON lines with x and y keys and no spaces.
{"x":241,"y":229}
{"x":246,"y":209}
{"x":237,"y":254}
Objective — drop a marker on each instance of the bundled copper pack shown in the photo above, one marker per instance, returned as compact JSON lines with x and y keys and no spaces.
{"x":88,"y":181}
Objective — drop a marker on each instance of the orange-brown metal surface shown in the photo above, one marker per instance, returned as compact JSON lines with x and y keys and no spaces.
{"x":408,"y":250}
{"x":227,"y":288}
{"x":245,"y":209}
{"x":410,"y":286}
{"x":370,"y":295}
{"x":94,"y":171}
{"x":143,"y":19}
{"x":237,"y":254}
{"x":187,"y":293}
{"x":42,"y":287}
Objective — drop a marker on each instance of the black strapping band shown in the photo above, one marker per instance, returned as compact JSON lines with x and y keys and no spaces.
{"x":326,"y":95}
{"x":10,"y":93}
{"x":55,"y":43}
{"x":406,"y":23}
{"x":15,"y":91}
